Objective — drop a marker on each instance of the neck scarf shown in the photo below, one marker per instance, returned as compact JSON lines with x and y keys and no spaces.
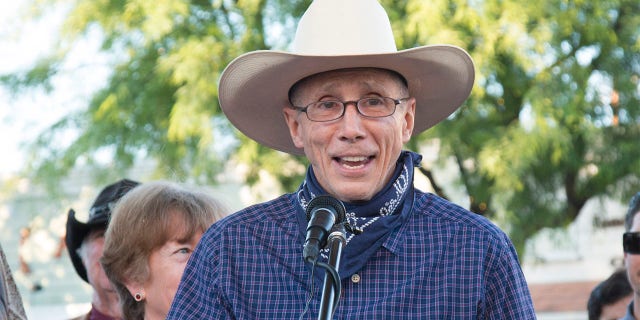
{"x":376,"y":218}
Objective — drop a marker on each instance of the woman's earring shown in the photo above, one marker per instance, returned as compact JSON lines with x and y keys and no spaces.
{"x":139,"y":296}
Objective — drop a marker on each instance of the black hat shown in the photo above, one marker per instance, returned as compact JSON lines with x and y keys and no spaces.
{"x":99,"y":216}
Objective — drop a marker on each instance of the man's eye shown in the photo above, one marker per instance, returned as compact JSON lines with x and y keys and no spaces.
{"x":373,"y":102}
{"x":327,"y":105}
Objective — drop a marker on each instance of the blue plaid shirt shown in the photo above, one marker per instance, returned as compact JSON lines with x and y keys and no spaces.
{"x":444,"y":263}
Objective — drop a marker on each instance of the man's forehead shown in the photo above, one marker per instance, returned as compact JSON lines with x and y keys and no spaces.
{"x":329,"y":80}
{"x":364,"y":72}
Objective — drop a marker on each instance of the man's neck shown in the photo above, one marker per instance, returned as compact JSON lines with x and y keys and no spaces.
{"x":107,"y":304}
{"x":95,"y":314}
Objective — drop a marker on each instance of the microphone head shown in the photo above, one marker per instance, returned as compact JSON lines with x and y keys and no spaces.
{"x":327,"y":202}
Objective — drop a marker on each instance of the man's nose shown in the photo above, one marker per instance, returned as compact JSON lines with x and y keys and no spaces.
{"x":351,"y":123}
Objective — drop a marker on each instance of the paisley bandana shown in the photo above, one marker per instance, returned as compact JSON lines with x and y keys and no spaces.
{"x":376,"y":218}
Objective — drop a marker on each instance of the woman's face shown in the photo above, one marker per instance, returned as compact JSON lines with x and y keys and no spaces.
{"x":166,"y":265}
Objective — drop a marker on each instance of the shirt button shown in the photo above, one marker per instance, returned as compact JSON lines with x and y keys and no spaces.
{"x":355,"y":278}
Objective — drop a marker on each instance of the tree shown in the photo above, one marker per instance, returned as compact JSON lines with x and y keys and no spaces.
{"x":552,"y":122}
{"x":160,"y":102}
{"x":554,"y":119}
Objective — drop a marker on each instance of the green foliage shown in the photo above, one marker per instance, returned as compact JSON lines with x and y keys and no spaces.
{"x":552,"y":122}
{"x":160,"y":102}
{"x":540,"y":135}
{"x":39,"y":76}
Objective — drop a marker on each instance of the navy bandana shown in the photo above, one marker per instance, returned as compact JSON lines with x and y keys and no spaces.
{"x":377,"y":218}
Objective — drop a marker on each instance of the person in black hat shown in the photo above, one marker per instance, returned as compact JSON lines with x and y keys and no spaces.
{"x":85,"y":243}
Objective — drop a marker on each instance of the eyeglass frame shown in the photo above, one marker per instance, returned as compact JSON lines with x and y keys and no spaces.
{"x":355,"y":103}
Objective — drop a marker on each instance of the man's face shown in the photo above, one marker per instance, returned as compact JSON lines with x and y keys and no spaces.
{"x":93,"y":246}
{"x":353,"y":157}
{"x":632,"y":261}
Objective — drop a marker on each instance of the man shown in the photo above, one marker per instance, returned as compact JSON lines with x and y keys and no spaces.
{"x":11,"y":307}
{"x":85,"y":241}
{"x":350,"y":101}
{"x":631,"y":247}
{"x":609,"y":299}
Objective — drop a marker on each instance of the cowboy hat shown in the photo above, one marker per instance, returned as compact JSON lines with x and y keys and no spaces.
{"x":339,"y":34}
{"x":99,"y":216}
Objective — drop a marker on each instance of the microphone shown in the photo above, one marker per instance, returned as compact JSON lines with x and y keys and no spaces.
{"x":323,"y":212}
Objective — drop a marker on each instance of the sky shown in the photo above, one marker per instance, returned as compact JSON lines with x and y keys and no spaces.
{"x":20,"y":45}
{"x":22,"y":42}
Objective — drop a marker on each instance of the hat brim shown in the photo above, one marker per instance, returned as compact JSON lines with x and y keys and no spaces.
{"x":76,"y":232}
{"x":254,"y":87}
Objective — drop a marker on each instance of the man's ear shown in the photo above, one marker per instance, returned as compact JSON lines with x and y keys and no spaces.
{"x":409,"y":118}
{"x":292,"y":118}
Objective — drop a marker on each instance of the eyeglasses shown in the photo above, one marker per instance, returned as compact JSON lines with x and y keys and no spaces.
{"x":631,"y":242}
{"x":372,"y":107}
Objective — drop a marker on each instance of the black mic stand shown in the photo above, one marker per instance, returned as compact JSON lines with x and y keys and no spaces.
{"x":332,"y":287}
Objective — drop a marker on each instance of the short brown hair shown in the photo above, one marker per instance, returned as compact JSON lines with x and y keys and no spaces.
{"x":144,"y":220}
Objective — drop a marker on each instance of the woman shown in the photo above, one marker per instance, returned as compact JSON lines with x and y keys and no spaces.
{"x":154,"y":229}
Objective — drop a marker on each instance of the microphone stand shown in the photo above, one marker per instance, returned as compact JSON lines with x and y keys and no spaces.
{"x":332,"y":287}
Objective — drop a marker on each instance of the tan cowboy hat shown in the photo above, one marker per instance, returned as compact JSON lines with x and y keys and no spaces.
{"x":339,"y":34}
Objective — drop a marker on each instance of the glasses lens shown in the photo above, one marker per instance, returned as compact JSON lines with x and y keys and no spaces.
{"x":376,"y":107}
{"x":631,"y":242}
{"x":325,"y":110}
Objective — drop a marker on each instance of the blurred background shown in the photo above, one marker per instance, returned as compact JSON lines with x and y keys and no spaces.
{"x":546,"y":146}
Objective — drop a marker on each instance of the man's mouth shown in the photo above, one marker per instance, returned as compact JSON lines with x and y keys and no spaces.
{"x":353,"y":162}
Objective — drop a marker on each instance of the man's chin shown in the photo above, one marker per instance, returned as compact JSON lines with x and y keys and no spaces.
{"x":355,"y":197}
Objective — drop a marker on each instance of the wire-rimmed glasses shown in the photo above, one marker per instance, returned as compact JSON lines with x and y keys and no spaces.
{"x":370,"y":107}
